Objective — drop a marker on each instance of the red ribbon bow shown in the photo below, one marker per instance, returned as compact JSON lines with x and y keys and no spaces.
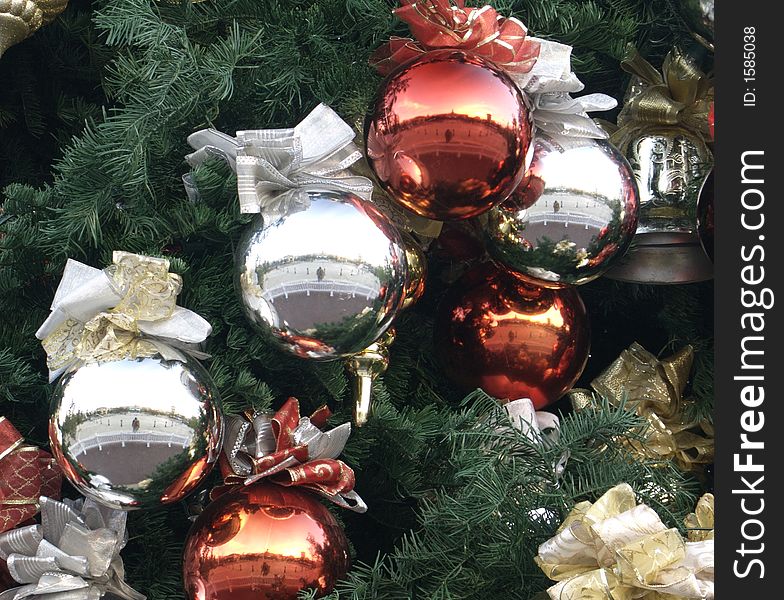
{"x":26,"y":472}
{"x":291,"y":464}
{"x":438,"y":24}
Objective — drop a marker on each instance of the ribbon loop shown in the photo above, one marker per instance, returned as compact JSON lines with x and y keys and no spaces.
{"x":277,"y":167}
{"x":128,"y":309}
{"x":290,"y":450}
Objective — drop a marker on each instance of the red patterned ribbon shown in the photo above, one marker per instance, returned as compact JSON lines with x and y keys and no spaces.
{"x":292,"y":463}
{"x":437,"y":24}
{"x":26,"y":472}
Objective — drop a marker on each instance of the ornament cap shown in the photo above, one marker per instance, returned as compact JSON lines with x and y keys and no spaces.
{"x":366,"y":366}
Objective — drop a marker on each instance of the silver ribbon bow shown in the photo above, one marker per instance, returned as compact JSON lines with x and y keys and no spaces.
{"x":249,"y":439}
{"x":85,"y":293}
{"x":73,"y":555}
{"x":276,"y":167}
{"x":549,"y":86}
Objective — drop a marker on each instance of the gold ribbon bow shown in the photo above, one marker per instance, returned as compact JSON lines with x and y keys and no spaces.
{"x":616,"y":549}
{"x":681,"y":94}
{"x":654,"y":389}
{"x":123,"y":311}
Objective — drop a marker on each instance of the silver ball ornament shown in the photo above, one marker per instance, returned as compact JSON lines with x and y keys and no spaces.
{"x":325,"y":280}
{"x":574,"y":213}
{"x":136,"y":433}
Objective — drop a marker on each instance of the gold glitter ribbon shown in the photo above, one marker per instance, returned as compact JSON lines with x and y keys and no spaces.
{"x":700,"y":523}
{"x":120,"y":312}
{"x":681,"y":94}
{"x":616,"y":549}
{"x":654,"y":389}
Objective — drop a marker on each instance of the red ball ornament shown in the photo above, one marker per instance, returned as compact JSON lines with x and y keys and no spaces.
{"x":263,"y":541}
{"x":448,"y":136}
{"x":511,"y":338}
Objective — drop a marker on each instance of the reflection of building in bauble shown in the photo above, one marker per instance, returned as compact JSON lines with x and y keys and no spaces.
{"x":457,"y":145}
{"x":524,"y":340}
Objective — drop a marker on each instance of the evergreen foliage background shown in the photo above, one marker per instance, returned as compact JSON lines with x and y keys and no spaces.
{"x":94,"y":113}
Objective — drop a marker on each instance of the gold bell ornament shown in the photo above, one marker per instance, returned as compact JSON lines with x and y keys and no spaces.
{"x":662,"y":131}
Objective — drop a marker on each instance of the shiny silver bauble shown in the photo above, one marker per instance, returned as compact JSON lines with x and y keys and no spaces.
{"x":136,"y":433}
{"x":325,"y":280}
{"x":574,"y":213}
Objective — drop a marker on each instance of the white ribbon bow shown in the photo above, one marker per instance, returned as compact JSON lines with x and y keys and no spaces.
{"x":538,"y":426}
{"x":276,"y":167}
{"x":85,"y":292}
{"x":549,"y":86}
{"x":73,"y":555}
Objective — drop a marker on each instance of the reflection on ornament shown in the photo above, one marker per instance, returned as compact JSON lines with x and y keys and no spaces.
{"x":19,"y":19}
{"x":263,"y":541}
{"x":417,"y":271}
{"x":326,"y":281}
{"x":671,"y":165}
{"x":136,"y":433}
{"x":448,"y":135}
{"x":511,"y":338}
{"x":574,"y":213}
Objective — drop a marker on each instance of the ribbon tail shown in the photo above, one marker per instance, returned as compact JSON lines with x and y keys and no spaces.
{"x":350,"y":500}
{"x":183,"y":326}
{"x":635,"y":64}
{"x":322,"y":133}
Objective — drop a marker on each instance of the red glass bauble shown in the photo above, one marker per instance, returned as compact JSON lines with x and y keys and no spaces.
{"x":263,"y":541}
{"x":448,"y":136}
{"x":511,"y":338}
